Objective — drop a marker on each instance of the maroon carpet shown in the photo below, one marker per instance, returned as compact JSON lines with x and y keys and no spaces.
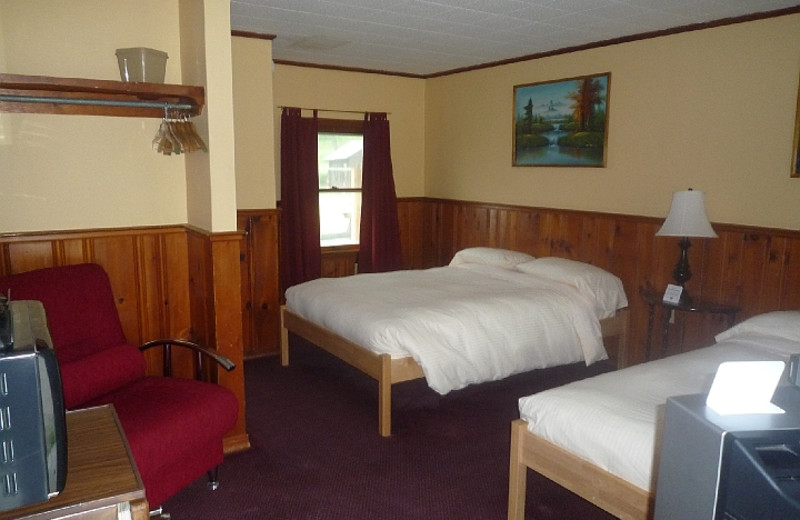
{"x":316,"y":453}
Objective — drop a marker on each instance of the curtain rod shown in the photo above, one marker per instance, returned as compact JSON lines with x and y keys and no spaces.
{"x":336,"y":110}
{"x":96,"y":102}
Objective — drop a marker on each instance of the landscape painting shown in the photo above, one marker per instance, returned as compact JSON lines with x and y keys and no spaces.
{"x":562,"y":123}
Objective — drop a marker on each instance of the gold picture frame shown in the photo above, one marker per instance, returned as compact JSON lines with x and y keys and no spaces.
{"x":562,"y":122}
{"x":795,"y":170}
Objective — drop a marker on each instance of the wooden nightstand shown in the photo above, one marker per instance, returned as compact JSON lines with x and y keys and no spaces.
{"x":102,"y":480}
{"x":654,"y":298}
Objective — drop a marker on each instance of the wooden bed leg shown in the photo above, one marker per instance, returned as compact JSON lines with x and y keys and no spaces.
{"x":385,"y":396}
{"x":284,"y":341}
{"x":517,"y":474}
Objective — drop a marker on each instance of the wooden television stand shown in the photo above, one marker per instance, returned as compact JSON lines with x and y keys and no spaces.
{"x":102,"y":480}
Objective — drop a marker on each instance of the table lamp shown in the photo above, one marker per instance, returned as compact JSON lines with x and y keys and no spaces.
{"x":687,"y":218}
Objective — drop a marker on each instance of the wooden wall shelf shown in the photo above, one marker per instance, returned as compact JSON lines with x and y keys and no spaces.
{"x":95,"y":97}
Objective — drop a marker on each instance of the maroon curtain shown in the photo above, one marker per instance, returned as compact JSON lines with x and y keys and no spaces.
{"x":300,"y":252}
{"x":379,"y":241}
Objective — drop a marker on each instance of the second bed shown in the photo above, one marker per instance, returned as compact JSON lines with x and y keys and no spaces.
{"x":600,"y":437}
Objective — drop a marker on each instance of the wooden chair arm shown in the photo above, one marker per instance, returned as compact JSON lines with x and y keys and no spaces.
{"x":200,"y":351}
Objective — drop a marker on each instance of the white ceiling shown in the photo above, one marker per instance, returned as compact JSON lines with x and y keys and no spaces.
{"x":424,"y":37}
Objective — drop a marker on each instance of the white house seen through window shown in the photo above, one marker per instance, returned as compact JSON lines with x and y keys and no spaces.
{"x":339,"y":157}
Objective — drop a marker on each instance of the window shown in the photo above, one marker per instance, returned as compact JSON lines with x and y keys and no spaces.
{"x":340,"y":150}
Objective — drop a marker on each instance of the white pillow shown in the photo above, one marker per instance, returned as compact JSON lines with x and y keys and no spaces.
{"x":776,"y":324}
{"x":490,"y":256}
{"x":598,"y":285}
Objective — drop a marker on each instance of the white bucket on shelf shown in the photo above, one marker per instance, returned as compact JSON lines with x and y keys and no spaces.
{"x":140,"y":64}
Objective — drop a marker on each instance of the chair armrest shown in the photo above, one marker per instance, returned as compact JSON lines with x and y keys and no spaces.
{"x":200,"y":351}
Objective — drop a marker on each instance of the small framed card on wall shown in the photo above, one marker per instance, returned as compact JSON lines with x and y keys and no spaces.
{"x":796,"y":149}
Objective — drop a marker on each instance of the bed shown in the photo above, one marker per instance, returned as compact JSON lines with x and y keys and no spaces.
{"x":599,"y":437}
{"x":489,"y":314}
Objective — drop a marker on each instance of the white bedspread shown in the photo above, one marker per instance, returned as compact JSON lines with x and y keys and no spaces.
{"x":463,"y":325}
{"x":612,"y":420}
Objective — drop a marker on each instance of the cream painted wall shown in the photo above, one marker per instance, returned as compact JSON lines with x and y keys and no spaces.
{"x":712,"y":109}
{"x":74,"y":172}
{"x":4,"y":29}
{"x":71,"y":172}
{"x":403,"y":98}
{"x":205,"y":29}
{"x":253,"y":113}
{"x":198,"y":167}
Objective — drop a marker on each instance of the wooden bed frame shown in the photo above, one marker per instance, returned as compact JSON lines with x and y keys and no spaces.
{"x":609,"y":492}
{"x":387,"y":371}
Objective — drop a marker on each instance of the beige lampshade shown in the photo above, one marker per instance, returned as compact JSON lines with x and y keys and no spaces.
{"x":687,"y":216}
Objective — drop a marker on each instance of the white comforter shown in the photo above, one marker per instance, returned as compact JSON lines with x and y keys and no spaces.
{"x":612,"y":420}
{"x":463,"y":325}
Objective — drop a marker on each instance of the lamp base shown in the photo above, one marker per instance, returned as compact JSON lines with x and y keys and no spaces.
{"x":682,"y":273}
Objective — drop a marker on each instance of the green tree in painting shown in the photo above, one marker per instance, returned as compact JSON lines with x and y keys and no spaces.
{"x":527,"y":118}
{"x":529,"y":127}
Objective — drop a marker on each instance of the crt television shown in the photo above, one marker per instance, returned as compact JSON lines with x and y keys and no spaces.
{"x":33,"y":439}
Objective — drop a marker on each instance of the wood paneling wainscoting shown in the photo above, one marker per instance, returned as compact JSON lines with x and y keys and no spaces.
{"x":260,"y":296}
{"x":222,"y":289}
{"x":756,"y":269}
{"x":215,"y":302}
{"x":339,"y":261}
{"x":170,"y":281}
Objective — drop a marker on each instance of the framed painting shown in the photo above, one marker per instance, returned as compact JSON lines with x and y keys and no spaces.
{"x":796,"y":149}
{"x":562,"y":122}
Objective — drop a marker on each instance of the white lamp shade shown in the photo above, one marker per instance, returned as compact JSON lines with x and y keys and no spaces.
{"x":687,"y":216}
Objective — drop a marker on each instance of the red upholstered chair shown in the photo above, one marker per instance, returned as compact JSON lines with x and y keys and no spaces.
{"x":174,"y":426}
